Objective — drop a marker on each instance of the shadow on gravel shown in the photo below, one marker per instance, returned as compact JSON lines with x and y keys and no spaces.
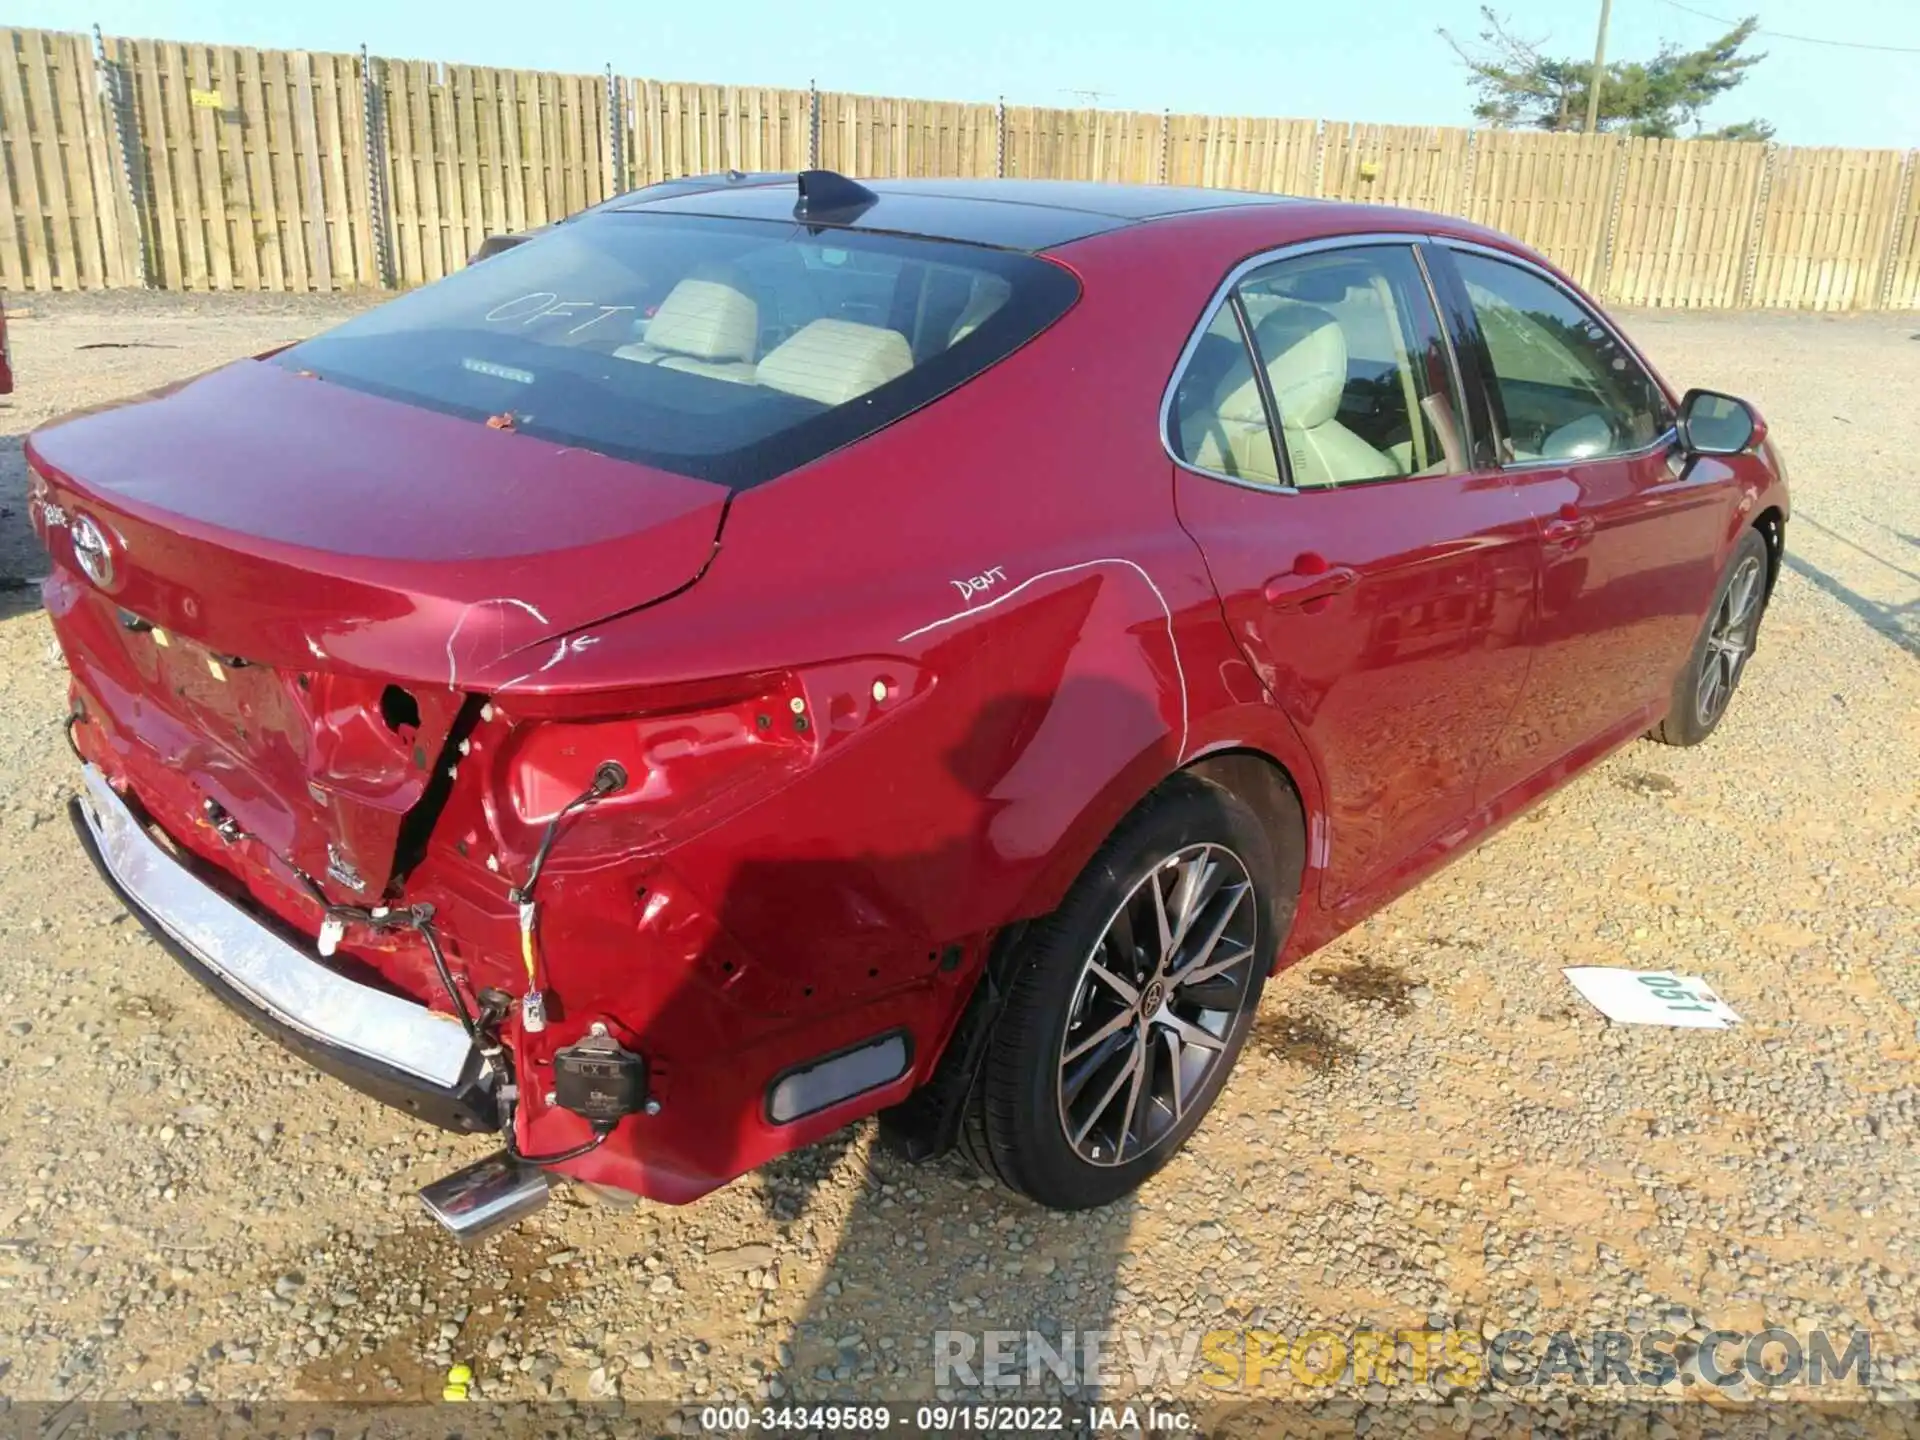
{"x":1898,"y":623}
{"x":934,"y":1247}
{"x":22,"y":561}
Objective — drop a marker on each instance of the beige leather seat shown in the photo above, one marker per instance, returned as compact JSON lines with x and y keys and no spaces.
{"x":708,"y":325}
{"x":1230,"y":437}
{"x":1306,"y":357}
{"x":834,"y":361}
{"x":989,"y":293}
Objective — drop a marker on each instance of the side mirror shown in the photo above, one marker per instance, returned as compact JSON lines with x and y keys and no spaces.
{"x":1714,"y":424}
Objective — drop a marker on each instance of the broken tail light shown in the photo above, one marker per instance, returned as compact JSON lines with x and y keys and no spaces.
{"x":686,"y":745}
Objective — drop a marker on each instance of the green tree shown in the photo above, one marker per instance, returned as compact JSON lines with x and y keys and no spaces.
{"x":1519,"y":85}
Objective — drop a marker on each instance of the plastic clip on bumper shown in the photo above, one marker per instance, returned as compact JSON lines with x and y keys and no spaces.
{"x":390,"y":1048}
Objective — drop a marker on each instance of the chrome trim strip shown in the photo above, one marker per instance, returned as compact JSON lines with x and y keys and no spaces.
{"x":293,"y":987}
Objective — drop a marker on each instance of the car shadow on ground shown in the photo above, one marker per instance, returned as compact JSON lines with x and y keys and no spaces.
{"x":931,"y":1257}
{"x":1899,"y":623}
{"x":22,"y":560}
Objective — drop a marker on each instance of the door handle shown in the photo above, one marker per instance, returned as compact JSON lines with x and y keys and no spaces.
{"x":1568,"y":525}
{"x":1310,"y":579}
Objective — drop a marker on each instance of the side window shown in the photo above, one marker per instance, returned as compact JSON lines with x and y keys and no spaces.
{"x":1563,"y":386}
{"x":1218,"y":420}
{"x":1355,"y":366}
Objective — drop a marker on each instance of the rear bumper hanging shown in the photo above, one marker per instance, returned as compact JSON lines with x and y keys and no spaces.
{"x":387,"y":1047}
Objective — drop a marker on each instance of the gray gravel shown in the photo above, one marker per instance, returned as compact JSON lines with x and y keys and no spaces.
{"x":1429,"y":1126}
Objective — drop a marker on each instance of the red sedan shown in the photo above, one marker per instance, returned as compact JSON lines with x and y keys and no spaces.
{"x":775,"y":649}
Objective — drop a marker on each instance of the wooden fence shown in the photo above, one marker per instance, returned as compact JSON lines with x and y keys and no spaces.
{"x":209,"y":167}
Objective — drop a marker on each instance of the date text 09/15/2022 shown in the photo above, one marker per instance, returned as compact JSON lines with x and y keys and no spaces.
{"x":945,"y":1418}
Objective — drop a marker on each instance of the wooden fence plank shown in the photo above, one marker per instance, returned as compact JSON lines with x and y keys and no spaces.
{"x":1900,"y":285}
{"x":189,"y":199}
{"x":72,"y":75}
{"x":73,"y":159}
{"x":16,"y":248}
{"x":286,"y":168}
{"x":462,"y":88}
{"x":114,"y":221}
{"x":53,"y":176}
{"x":446,"y":172}
{"x":152,"y":121}
{"x":203,"y":137}
{"x":276,"y":265}
{"x":331,"y":96}
{"x":313,"y":196}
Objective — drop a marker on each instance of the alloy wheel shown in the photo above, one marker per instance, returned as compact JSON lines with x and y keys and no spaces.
{"x":1155,"y":1001}
{"x":1729,"y":641}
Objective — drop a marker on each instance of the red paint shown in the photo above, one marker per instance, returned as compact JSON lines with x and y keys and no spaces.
{"x":1423,"y":657}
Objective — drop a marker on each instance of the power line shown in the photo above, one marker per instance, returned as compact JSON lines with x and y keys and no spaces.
{"x":1802,"y":39}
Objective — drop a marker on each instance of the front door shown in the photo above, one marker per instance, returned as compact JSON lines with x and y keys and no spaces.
{"x":1375,"y":579}
{"x":1628,"y":536}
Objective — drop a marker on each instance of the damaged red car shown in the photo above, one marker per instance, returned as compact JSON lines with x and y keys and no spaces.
{"x":775,"y":649}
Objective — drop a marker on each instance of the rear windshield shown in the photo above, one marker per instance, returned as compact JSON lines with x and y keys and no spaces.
{"x":729,"y":350}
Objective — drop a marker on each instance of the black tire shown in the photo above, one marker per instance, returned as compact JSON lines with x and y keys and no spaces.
{"x":1015,"y":1127}
{"x":1701,"y":695}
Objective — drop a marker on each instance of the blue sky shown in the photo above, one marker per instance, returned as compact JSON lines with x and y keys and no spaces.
{"x":1379,"y":60}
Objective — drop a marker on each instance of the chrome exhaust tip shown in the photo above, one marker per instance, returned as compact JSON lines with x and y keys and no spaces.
{"x":486,"y":1196}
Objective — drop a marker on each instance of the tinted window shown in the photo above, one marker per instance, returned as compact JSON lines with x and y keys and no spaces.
{"x":1565,"y":388}
{"x":725,"y":349}
{"x":1219,"y":420}
{"x":1354,"y":365}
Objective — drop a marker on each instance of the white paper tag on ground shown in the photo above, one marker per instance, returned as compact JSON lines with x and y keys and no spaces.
{"x":1652,"y":997}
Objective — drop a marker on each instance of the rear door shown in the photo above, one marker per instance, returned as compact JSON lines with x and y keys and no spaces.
{"x":1377,"y":574}
{"x":1628,"y":536}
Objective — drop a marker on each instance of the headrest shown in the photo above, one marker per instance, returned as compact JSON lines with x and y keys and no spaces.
{"x":989,"y":293}
{"x":834,"y":361}
{"x":708,"y":316}
{"x":1306,"y":363}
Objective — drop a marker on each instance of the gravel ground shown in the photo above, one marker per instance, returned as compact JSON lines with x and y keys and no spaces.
{"x":1429,"y":1126}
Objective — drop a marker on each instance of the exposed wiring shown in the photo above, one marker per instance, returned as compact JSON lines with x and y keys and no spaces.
{"x":557,"y":1157}
{"x":418,"y":918}
{"x":609,"y":777}
{"x":424,"y":924}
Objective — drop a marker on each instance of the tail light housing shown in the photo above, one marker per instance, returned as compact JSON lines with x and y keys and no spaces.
{"x":685,"y":747}
{"x":676,"y":758}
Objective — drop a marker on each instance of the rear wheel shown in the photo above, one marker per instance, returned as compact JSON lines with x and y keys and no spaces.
{"x":1129,"y":1004}
{"x":1712,"y":673}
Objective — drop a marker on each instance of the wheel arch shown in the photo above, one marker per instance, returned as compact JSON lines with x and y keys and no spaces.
{"x":1267,"y":788}
{"x":1772,"y":525}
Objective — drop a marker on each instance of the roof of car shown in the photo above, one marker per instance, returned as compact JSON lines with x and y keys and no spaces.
{"x":1013,"y":214}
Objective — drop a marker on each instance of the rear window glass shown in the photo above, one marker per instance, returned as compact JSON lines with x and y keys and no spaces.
{"x":728,"y":350}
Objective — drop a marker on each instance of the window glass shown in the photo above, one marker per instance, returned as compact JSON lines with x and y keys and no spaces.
{"x":1565,"y":387}
{"x":726,"y":349}
{"x":1219,"y":419}
{"x":1356,"y":366}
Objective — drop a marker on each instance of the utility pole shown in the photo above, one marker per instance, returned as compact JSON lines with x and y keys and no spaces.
{"x":1595,"y":80}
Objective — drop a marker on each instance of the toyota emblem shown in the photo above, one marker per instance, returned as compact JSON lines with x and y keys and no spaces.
{"x":91,"y":550}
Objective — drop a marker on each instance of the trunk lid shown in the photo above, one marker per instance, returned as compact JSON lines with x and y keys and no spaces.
{"x":279,"y":587}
